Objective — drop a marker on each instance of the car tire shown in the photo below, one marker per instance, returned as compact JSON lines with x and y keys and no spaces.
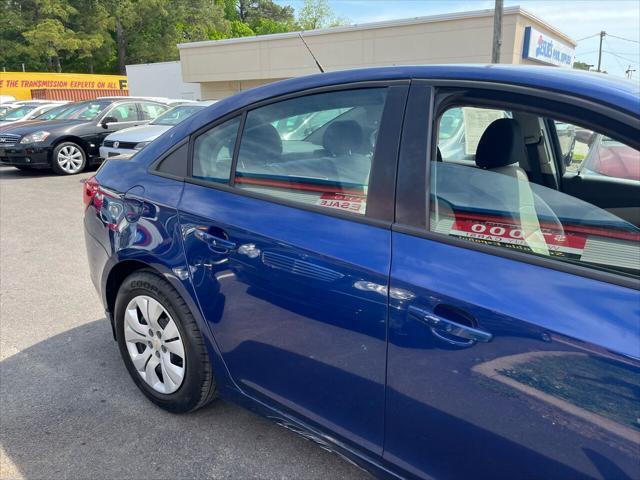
{"x":145,"y":353}
{"x":68,"y":158}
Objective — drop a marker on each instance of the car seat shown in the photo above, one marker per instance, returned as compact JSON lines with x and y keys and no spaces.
{"x":342,"y":141}
{"x":500,"y":150}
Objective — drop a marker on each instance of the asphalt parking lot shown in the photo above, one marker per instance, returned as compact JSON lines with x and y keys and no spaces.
{"x":67,"y":407}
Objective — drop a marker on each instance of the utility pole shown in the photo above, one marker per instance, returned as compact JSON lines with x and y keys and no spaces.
{"x":497,"y":31}
{"x":602,"y":34}
{"x":629,"y":72}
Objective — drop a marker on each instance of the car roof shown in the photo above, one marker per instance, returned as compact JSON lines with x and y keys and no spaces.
{"x":601,"y":88}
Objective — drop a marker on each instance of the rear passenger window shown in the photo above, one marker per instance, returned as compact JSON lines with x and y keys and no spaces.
{"x":506,"y":192}
{"x":151,"y":110}
{"x":213,"y":152}
{"x":315,"y":150}
{"x":125,"y":113}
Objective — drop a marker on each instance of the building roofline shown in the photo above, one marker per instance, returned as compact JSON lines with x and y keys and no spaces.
{"x":152,"y":63}
{"x":375,"y":25}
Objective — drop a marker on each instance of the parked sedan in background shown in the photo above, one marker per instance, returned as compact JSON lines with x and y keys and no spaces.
{"x":131,"y":140}
{"x":6,"y":107}
{"x":474,"y":315}
{"x":71,"y":141}
{"x":26,"y":112}
{"x":611,"y":158}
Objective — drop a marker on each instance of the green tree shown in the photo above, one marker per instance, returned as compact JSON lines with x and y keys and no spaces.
{"x":581,"y":65}
{"x":106,"y":35}
{"x":249,"y":11}
{"x":51,"y":38}
{"x":265,"y":26}
{"x":91,"y":24}
{"x":13,"y":51}
{"x":316,"y":14}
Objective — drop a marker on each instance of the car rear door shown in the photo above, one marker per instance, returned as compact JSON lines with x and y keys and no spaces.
{"x":503,"y":363}
{"x":290,"y":254}
{"x":125,"y":115}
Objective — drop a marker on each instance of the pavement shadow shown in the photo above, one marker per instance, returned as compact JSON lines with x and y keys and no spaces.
{"x":8,"y":172}
{"x":12,"y":173}
{"x":69,"y":410}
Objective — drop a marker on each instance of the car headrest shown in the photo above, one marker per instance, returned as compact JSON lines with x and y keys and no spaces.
{"x":263,"y":140}
{"x":501,"y":144}
{"x":342,"y":137}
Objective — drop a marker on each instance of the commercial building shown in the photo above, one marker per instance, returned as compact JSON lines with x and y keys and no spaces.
{"x":162,"y":79}
{"x":224,"y":67}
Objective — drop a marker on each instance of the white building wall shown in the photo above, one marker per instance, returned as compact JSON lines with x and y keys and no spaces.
{"x":162,"y":79}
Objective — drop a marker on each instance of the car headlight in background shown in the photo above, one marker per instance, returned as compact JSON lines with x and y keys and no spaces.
{"x":35,"y":137}
{"x":141,"y":145}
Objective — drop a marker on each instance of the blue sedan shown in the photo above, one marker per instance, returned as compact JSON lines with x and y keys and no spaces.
{"x":406,"y":265}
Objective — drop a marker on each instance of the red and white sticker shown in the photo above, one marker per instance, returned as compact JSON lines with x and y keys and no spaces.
{"x":568,"y":245}
{"x":342,"y":201}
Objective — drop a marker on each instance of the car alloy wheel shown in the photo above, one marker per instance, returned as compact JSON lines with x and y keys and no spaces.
{"x":154,"y":344}
{"x":70,"y":159}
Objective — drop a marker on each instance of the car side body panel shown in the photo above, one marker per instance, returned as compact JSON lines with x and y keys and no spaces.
{"x":285,"y":308}
{"x":545,"y":397}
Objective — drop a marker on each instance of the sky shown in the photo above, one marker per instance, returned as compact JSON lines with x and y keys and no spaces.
{"x":576,"y":18}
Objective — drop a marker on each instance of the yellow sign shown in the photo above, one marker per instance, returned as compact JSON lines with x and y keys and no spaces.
{"x":19,"y":84}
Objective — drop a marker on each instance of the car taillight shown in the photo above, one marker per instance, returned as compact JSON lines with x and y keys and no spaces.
{"x":91,"y":187}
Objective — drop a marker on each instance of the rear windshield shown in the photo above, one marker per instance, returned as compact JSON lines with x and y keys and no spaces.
{"x":176,"y":115}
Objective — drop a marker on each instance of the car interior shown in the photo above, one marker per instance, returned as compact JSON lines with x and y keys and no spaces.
{"x":303,"y":148}
{"x":528,"y":206}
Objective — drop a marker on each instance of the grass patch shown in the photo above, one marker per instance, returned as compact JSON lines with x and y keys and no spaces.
{"x":607,"y":388}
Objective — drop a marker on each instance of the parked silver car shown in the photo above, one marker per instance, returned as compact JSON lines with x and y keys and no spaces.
{"x":131,"y":140}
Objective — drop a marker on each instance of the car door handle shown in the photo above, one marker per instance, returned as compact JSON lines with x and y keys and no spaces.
{"x":214,"y":241}
{"x":441,"y":326}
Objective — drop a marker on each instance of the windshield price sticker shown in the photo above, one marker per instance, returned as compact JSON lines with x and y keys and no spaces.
{"x":341,"y":201}
{"x":567,"y":245}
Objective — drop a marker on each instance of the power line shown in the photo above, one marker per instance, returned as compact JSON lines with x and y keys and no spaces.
{"x":620,"y":56}
{"x":590,"y":36}
{"x":622,"y":38}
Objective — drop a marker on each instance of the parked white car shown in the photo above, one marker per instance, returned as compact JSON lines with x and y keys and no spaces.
{"x":134,"y":139}
{"x":165,"y":100}
{"x":27,"y":111}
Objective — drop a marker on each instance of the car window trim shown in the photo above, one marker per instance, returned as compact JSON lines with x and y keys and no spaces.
{"x":556,"y":149}
{"x":419,"y":227}
{"x":388,"y":191}
{"x":600,"y":108}
{"x":153,"y":167}
{"x":236,"y":149}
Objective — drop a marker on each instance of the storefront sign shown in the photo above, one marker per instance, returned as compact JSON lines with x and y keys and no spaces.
{"x":545,"y":49}
{"x":20,"y":84}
